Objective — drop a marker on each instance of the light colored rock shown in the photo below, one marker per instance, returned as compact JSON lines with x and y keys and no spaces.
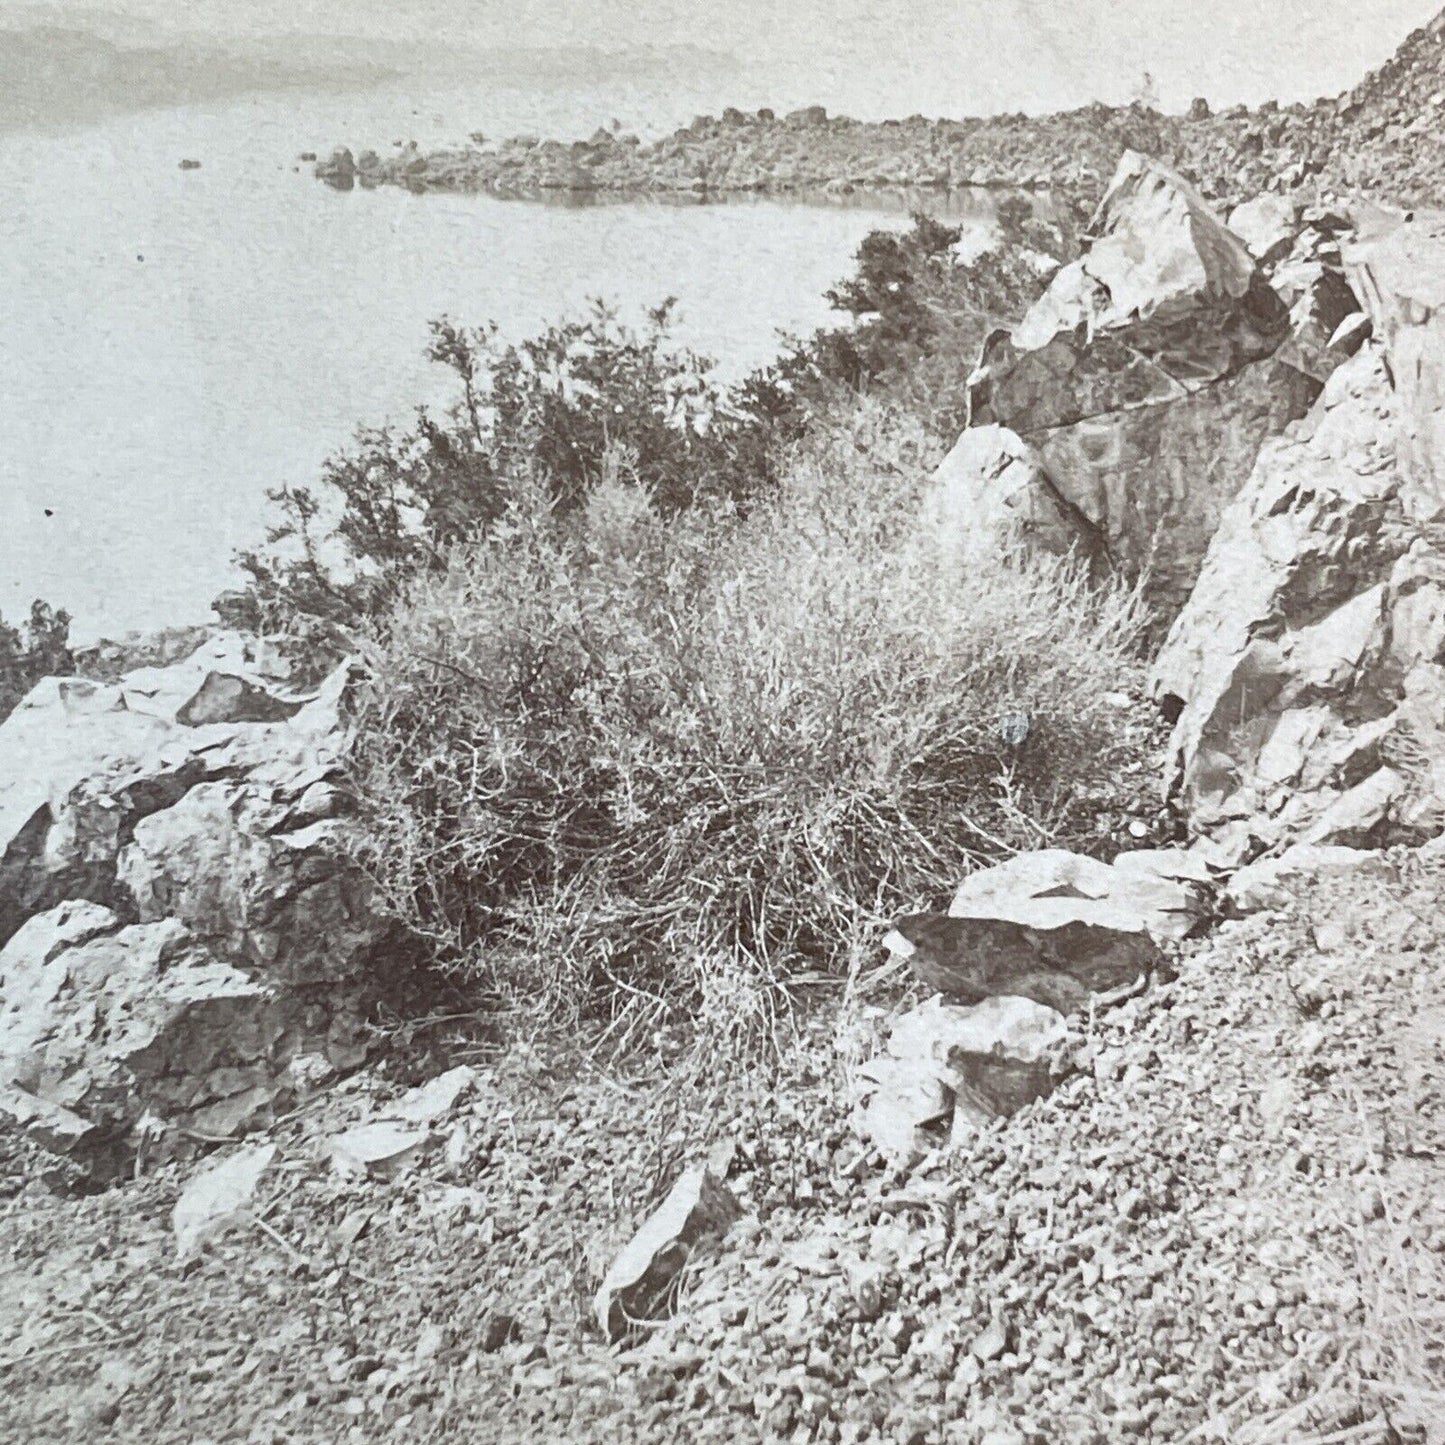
{"x":1319,"y":612}
{"x":434,"y":1100}
{"x":951,"y":1066}
{"x":1274,"y":882}
{"x":83,"y":764}
{"x":382,"y":1148}
{"x":216,"y":1199}
{"x":1267,"y":225}
{"x":899,"y":1099}
{"x":207,"y":800}
{"x":1398,"y":271}
{"x":991,"y":491}
{"x":1161,"y":892}
{"x":640,"y":1284}
{"x":243,"y":867}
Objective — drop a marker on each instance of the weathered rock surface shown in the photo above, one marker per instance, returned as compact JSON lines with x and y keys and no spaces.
{"x":140,"y":1025}
{"x":1268,"y":225}
{"x":1400,"y":275}
{"x":951,"y":1066}
{"x":1056,"y":927}
{"x":182,"y":915}
{"x":1146,"y":377}
{"x":1306,"y":667}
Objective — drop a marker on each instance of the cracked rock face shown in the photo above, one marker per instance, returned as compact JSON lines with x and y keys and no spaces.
{"x":1144,"y":380}
{"x":179,"y":912}
{"x":103,"y":1024}
{"x":1306,"y":669}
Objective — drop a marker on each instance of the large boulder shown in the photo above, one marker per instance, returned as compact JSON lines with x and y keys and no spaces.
{"x":175,"y":861}
{"x":1146,"y":377}
{"x":1305,"y":670}
{"x":106,"y":1029}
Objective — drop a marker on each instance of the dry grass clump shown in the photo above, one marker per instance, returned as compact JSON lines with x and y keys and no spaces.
{"x":617,"y":760}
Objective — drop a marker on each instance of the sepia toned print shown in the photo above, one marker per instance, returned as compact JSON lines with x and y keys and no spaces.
{"x":722,"y":725}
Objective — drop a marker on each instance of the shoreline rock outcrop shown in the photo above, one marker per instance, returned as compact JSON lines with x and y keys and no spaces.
{"x":1377,"y":137}
{"x":1306,"y":668}
{"x":179,"y":912}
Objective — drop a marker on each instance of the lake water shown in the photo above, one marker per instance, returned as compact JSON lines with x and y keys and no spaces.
{"x":174,"y":342}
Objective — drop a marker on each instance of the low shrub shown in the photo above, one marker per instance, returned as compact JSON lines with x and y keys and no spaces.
{"x":615,"y":752}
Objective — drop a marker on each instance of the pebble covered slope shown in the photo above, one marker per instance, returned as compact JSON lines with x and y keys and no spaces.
{"x":1227,"y":1224}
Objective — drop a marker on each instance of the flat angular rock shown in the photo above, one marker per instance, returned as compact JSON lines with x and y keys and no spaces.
{"x":383,"y":1148}
{"x":434,"y":1100}
{"x":216,"y":1198}
{"x":1163,"y":891}
{"x":951,"y":1066}
{"x":640,"y":1284}
{"x":1267,"y":225}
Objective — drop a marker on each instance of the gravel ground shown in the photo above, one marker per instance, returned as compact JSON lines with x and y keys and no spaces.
{"x":1228,"y":1225}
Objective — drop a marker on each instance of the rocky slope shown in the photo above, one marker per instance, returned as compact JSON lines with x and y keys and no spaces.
{"x":1382,"y":138}
{"x":1225,"y":1224}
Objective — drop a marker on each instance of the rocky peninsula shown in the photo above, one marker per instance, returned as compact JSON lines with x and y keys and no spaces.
{"x":1367,"y":140}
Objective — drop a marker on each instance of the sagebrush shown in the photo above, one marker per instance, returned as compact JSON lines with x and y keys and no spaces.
{"x":612,"y":751}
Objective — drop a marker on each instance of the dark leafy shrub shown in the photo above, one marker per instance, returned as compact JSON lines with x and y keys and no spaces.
{"x":537,"y":416}
{"x":921,"y":313}
{"x":42,"y":649}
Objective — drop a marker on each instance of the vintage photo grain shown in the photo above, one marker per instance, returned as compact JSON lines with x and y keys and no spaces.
{"x":722,"y":723}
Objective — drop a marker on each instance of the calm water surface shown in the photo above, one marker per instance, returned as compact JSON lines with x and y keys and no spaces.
{"x":174,"y":342}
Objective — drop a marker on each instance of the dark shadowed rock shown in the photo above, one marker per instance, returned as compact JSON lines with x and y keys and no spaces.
{"x":1145,"y":378}
{"x":338,"y":170}
{"x":1056,"y":959}
{"x":225,"y":698}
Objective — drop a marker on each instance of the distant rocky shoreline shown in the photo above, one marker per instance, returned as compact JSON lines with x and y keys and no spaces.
{"x":1378,"y":138}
